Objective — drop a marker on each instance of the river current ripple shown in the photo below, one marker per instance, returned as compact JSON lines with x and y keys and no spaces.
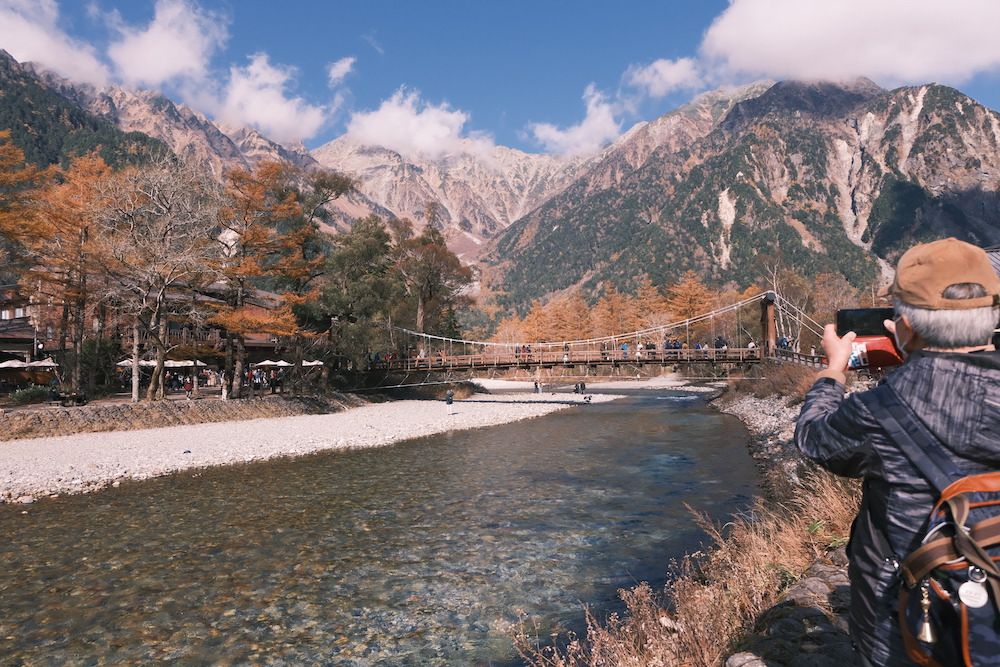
{"x":424,"y":553}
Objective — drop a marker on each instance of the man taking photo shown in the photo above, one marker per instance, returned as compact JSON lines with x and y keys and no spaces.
{"x":946,"y":299}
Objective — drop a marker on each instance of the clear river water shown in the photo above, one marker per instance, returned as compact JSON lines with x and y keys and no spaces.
{"x":428,"y":552}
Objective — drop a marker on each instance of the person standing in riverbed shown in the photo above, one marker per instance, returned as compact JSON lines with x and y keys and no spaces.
{"x":945,"y":297}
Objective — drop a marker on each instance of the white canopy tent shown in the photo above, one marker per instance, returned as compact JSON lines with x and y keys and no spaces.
{"x":14,"y":363}
{"x":143,"y":363}
{"x":183,"y":363}
{"x":44,"y":363}
{"x":285,"y":364}
{"x":169,"y":363}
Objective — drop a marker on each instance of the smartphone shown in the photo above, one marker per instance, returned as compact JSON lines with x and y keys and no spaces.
{"x":863,"y":321}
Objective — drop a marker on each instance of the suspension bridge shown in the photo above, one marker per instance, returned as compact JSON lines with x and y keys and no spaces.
{"x":677,"y":343}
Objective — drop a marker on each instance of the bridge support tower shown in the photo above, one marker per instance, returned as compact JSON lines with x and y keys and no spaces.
{"x":768,"y":324}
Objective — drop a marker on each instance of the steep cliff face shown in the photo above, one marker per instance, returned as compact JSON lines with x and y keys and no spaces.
{"x":186,"y":132}
{"x":827,"y":177}
{"x":474,"y":193}
{"x":254,"y":147}
{"x":480,"y":193}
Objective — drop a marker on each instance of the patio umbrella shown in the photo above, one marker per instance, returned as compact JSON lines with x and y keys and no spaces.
{"x":266,"y":362}
{"x":14,"y":363}
{"x":316,"y":362}
{"x":182,"y":363}
{"x":283,"y":364}
{"x":44,"y":363}
{"x":143,"y":363}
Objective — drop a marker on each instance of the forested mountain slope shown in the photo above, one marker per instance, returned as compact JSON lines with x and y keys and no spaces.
{"x":823,"y":177}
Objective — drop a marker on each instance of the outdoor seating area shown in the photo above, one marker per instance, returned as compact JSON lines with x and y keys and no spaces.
{"x":16,"y":374}
{"x":67,"y":398}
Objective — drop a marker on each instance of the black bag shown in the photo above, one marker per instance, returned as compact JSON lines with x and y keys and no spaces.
{"x":949,"y":596}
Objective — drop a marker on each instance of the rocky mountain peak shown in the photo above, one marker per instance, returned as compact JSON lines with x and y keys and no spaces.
{"x":478,"y":188}
{"x":813,"y":99}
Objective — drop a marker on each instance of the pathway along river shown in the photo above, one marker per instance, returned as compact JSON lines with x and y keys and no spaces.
{"x":422,"y":553}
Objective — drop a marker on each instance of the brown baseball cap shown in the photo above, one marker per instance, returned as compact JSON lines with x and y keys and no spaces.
{"x":926,"y":270}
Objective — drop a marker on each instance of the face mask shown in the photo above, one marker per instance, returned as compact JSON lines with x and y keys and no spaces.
{"x":900,"y":344}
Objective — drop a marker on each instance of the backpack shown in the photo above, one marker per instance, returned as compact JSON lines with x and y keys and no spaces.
{"x":949,"y":593}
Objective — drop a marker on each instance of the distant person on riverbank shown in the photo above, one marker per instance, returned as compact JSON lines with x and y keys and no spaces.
{"x":945,"y":296}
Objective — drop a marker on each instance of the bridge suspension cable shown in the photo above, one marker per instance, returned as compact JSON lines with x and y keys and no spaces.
{"x":796,"y":313}
{"x":647,"y":332}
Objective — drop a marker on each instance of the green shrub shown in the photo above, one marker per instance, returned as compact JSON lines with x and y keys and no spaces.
{"x":33,"y":394}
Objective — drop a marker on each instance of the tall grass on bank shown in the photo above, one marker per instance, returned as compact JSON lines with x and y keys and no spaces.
{"x":789,"y":380}
{"x":715,"y":597}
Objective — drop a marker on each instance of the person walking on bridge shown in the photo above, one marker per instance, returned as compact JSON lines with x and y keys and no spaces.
{"x":945,"y":296}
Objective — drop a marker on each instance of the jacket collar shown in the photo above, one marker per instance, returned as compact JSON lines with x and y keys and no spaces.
{"x":989,"y":360}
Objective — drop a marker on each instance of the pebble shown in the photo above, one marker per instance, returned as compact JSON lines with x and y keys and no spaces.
{"x":92,"y":461}
{"x":808,"y":625}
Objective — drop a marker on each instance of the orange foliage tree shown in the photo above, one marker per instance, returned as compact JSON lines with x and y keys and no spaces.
{"x":65,"y":264}
{"x":615,"y":313}
{"x":19,"y":187}
{"x":272,"y":238}
{"x":256,"y":201}
{"x":690,"y":297}
{"x":654,"y":310}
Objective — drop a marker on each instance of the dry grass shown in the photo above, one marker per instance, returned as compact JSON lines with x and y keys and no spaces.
{"x":716,"y":597}
{"x":789,"y":380}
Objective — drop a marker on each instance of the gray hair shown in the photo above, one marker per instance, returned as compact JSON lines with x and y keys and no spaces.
{"x":949,"y":329}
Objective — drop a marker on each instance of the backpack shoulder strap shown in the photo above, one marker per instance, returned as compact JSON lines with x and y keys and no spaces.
{"x":920,"y":446}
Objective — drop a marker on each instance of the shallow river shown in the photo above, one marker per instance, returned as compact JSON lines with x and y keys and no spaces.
{"x":426,"y":552}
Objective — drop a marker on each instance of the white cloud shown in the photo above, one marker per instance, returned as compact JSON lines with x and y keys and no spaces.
{"x":256,"y":96}
{"x":588,"y":136}
{"x":409,"y":126}
{"x":29,"y":31}
{"x":177,"y":44}
{"x":894,"y":41}
{"x":662,"y":77}
{"x":338,"y":70}
{"x":374,"y":43}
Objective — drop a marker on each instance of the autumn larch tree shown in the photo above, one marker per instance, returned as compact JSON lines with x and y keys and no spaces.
{"x":19,"y":185}
{"x":256,"y":201}
{"x":614,"y":313}
{"x":688,"y":298}
{"x":64,"y":265}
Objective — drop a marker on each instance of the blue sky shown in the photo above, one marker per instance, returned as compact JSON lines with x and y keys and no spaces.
{"x":560,"y":77}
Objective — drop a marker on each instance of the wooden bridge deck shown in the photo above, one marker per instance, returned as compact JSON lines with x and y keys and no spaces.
{"x":554,"y":358}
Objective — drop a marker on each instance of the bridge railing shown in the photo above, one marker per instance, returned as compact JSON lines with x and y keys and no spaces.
{"x":811,"y":360}
{"x":501,"y":358}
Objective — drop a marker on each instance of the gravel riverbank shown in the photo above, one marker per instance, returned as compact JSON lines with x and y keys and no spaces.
{"x":808,"y":623}
{"x":34,"y":468}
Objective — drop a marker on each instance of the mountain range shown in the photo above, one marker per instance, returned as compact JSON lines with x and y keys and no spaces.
{"x":819,"y":176}
{"x":825,"y":177}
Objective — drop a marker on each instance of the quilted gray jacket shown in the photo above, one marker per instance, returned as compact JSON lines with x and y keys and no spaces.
{"x":958,"y":397}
